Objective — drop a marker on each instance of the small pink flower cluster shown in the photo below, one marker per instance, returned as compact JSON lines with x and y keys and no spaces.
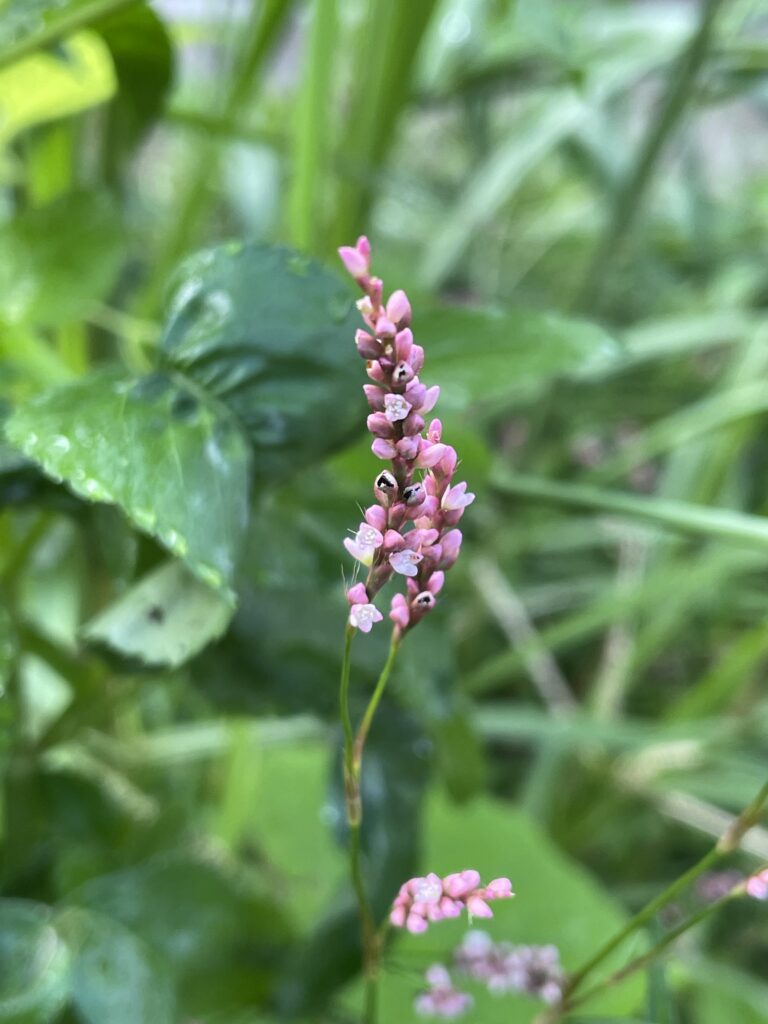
{"x":502,"y":967}
{"x":412,"y":530}
{"x":424,"y":900}
{"x":757,"y":885}
{"x":441,"y":999}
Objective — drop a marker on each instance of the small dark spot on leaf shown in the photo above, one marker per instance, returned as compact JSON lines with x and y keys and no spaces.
{"x":156,"y":614}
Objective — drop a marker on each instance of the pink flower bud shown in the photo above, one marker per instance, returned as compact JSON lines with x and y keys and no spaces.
{"x":477,"y":907}
{"x":375,"y":396}
{"x":415,"y":393}
{"x":408,"y":448}
{"x":400,"y":614}
{"x":354,"y":261}
{"x":429,"y":455}
{"x":368,"y":347}
{"x":404,"y":345}
{"x":385,"y":328}
{"x":383,"y":449}
{"x":498,"y":889}
{"x":399,"y":308}
{"x":436,"y":581}
{"x":416,"y":358}
{"x":416,"y":924}
{"x":435,"y":431}
{"x":393,"y":540}
{"x":430,"y":399}
{"x":413,"y":424}
{"x":451,"y":544}
{"x":357,"y":594}
{"x":379,"y":425}
{"x":456,"y":497}
{"x":447,"y":464}
{"x":376,"y":516}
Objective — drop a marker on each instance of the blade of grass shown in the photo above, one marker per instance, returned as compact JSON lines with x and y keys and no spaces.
{"x":662,"y":512}
{"x":310,"y":149}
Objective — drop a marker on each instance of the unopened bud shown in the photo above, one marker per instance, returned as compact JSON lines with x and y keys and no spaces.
{"x":385,"y":488}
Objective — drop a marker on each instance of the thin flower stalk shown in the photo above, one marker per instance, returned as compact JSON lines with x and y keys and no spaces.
{"x":410,"y":530}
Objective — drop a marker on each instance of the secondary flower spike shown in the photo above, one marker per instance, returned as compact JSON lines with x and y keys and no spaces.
{"x":412,"y":531}
{"x":425,"y":900}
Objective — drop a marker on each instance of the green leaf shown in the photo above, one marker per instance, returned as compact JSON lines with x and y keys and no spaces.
{"x":48,"y":86}
{"x":171,"y":457}
{"x":270,"y":333}
{"x":556,"y":902}
{"x":30,"y":25}
{"x":142,"y":53}
{"x":165,"y":619}
{"x":195,"y":911}
{"x":58,"y":260}
{"x":494,"y":356}
{"x":34,"y":964}
{"x":116,"y":977}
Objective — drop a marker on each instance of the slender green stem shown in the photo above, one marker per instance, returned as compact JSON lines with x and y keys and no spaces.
{"x":644,"y":959}
{"x":346,"y":720}
{"x":629,"y":196}
{"x":61,"y":25}
{"x":373,"y":703}
{"x":725,"y":845}
{"x":354,"y":745}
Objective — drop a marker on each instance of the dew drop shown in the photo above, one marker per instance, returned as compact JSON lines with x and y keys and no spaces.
{"x":60,"y":443}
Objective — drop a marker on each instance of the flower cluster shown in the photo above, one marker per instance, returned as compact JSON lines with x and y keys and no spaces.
{"x":757,"y":885}
{"x":441,"y":999}
{"x":502,"y":967}
{"x":424,"y":900}
{"x":411,"y":530}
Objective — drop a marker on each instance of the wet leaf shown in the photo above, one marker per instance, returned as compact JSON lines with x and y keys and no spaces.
{"x":116,"y":977}
{"x":270,"y":333}
{"x":171,"y":457}
{"x":34,"y":964}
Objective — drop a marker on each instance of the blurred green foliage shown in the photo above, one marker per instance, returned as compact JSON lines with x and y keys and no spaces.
{"x":575,"y":196}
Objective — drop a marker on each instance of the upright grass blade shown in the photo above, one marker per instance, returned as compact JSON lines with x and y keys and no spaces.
{"x":310,"y":147}
{"x":629,"y":197}
{"x":666,"y":513}
{"x":386,"y":48}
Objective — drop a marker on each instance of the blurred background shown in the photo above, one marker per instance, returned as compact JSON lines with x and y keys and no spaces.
{"x":574,"y":193}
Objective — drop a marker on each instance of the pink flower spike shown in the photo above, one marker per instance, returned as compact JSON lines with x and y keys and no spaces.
{"x":405,"y":562}
{"x":396,"y":407}
{"x":355,"y":261}
{"x":399,"y":308}
{"x":363,"y":616}
{"x":383,"y":449}
{"x":357,"y":594}
{"x":448,"y":463}
{"x":477,"y":907}
{"x":376,"y":516}
{"x":456,"y":497}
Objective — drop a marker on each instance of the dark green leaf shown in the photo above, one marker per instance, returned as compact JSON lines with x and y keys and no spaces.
{"x":58,"y":260}
{"x":116,"y":977}
{"x":171,"y":457}
{"x":271,"y":334}
{"x":165,"y":619}
{"x":34,"y":964}
{"x":142,"y":54}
